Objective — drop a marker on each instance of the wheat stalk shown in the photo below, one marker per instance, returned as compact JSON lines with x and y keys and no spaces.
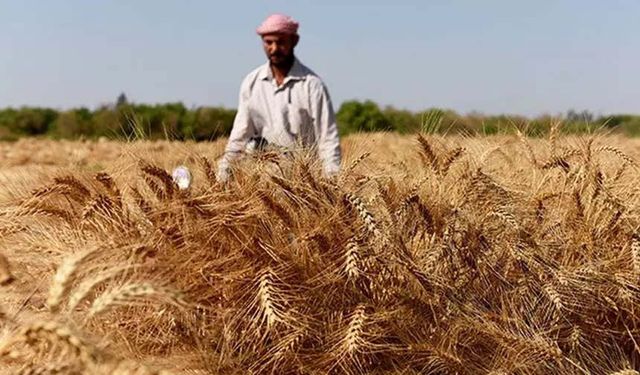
{"x":575,"y":338}
{"x":560,"y":160}
{"x":353,"y":341}
{"x":128,"y":367}
{"x":83,"y":289}
{"x":56,"y":335}
{"x":65,"y":275}
{"x":208,"y":170}
{"x":266,"y":298}
{"x":141,"y":202}
{"x":635,"y":254}
{"x":101,"y":203}
{"x":352,"y":260}
{"x":49,"y":369}
{"x":169,"y":185}
{"x":474,"y":273}
{"x":365,"y":215}
{"x":131,"y":293}
{"x":450,"y":158}
{"x":46,"y":191}
{"x":553,"y":136}
{"x":76,"y":189}
{"x":107,"y":181}
{"x":426,"y":151}
{"x":554,"y":297}
{"x":278,"y":209}
{"x":347,"y":171}
{"x":626,"y":158}
{"x":525,"y":143}
{"x":50,"y":211}
{"x":6,"y":277}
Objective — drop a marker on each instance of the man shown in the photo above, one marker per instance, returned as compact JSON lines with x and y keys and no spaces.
{"x":283,"y":103}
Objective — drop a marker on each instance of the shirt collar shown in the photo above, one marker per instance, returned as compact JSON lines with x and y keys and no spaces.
{"x":297,"y":72}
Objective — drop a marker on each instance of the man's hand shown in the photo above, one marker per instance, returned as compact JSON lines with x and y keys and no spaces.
{"x":223,"y":175}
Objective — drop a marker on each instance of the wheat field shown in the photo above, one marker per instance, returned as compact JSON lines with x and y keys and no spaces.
{"x":426,"y":255}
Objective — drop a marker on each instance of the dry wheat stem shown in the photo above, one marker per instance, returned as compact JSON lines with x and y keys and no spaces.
{"x":54,"y":334}
{"x":505,"y":266}
{"x":353,"y":341}
{"x":635,"y":254}
{"x":132,"y":293}
{"x":65,"y":275}
{"x":6,"y":277}
{"x":352,"y":260}
{"x":84,"y":288}
{"x":364,"y":214}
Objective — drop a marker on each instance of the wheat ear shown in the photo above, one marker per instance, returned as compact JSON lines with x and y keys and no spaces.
{"x":53,"y":333}
{"x":88,"y":285}
{"x":110,"y":185}
{"x":266,"y":292}
{"x":527,"y":146}
{"x":426,"y":151}
{"x":151,"y":170}
{"x":450,"y":158}
{"x":131,"y":293}
{"x":76,"y":189}
{"x":65,"y":275}
{"x":616,"y":152}
{"x":364,"y":214}
{"x":347,"y":171}
{"x":208,"y":170}
{"x":353,"y":341}
{"x":352,"y":260}
{"x":48,"y":369}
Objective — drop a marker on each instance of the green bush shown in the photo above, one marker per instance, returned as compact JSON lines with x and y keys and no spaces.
{"x":73,"y":123}
{"x":354,"y":116}
{"x":126,"y":120}
{"x":206,"y":123}
{"x":27,"y":120}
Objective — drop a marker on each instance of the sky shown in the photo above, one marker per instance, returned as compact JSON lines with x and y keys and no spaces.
{"x":490,"y":56}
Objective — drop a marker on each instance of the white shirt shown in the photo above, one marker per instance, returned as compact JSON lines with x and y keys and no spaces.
{"x":297,"y":113}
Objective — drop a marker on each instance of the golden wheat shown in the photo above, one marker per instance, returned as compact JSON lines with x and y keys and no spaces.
{"x":449,"y":255}
{"x":65,"y":276}
{"x":6,"y":277}
{"x":131,"y":293}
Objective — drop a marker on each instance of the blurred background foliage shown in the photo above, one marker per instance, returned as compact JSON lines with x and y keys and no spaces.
{"x":127,"y":120}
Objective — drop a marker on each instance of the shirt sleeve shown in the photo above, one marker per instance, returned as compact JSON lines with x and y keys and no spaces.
{"x":241,"y":131}
{"x":325,"y":122}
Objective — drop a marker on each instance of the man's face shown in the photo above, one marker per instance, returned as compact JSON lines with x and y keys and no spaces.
{"x":279,"y":47}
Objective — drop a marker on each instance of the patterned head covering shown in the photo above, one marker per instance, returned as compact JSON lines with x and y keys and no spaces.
{"x":278,"y":23}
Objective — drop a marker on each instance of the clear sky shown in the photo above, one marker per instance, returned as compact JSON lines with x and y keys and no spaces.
{"x":492,"y":56}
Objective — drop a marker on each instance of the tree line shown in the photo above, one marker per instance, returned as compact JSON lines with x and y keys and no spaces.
{"x":124,"y":120}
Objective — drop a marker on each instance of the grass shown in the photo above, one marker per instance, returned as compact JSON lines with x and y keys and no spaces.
{"x":427,"y":255}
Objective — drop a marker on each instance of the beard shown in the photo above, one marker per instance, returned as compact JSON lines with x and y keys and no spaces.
{"x":280,"y":60}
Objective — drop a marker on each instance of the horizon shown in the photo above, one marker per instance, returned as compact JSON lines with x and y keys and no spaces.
{"x":496,"y":58}
{"x":382,"y":106}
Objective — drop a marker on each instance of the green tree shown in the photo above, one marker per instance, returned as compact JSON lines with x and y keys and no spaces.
{"x":121,"y":100}
{"x":29,"y":121}
{"x":73,"y":124}
{"x":354,"y":116}
{"x":402,"y":121}
{"x":207,"y":123}
{"x":108,"y":122}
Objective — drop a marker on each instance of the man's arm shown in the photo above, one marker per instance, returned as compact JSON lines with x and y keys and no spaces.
{"x":240,"y":133}
{"x":325,"y":121}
